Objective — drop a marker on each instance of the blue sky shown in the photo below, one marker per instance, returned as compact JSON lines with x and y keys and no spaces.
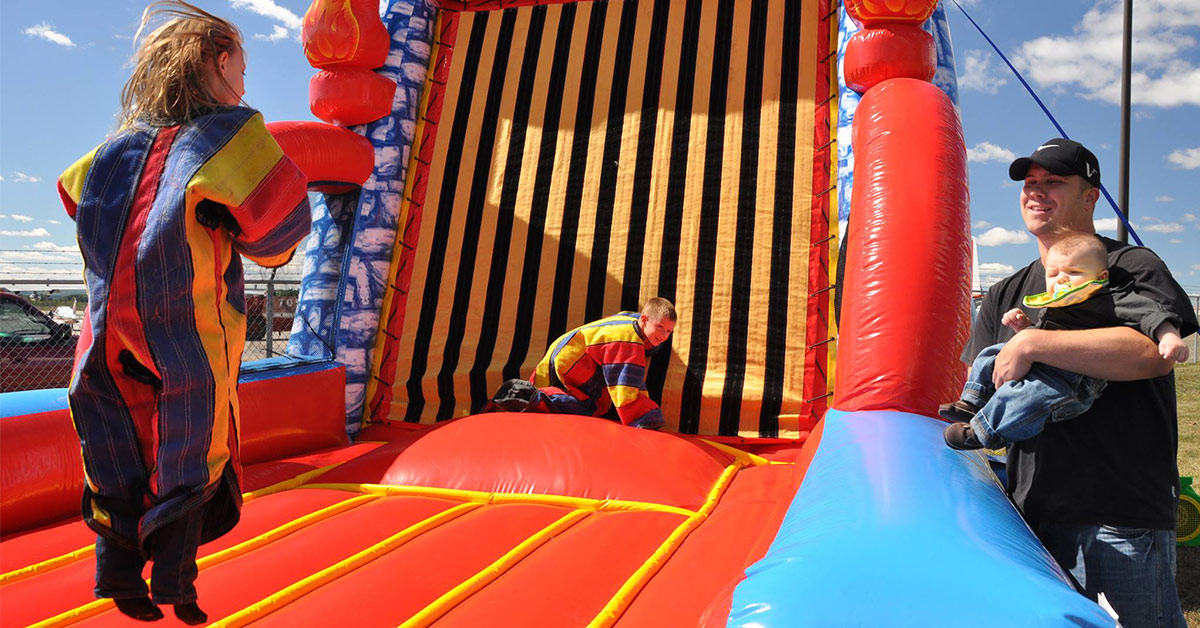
{"x":1070,"y":52}
{"x":62,"y":65}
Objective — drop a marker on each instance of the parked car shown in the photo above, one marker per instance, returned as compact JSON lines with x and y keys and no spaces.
{"x":35,"y":351}
{"x":283,"y":309}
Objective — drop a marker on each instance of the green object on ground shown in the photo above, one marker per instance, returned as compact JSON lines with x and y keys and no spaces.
{"x":1187,"y":529}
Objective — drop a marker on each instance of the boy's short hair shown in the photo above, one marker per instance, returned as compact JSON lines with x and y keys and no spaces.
{"x":658,"y":308}
{"x":1082,"y":244}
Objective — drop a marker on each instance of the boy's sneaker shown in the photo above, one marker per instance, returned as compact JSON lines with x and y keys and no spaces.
{"x":960,"y":411}
{"x":962,"y":437}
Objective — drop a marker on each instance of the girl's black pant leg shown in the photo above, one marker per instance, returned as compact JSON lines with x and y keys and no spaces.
{"x":173,"y":576}
{"x":118,"y":570}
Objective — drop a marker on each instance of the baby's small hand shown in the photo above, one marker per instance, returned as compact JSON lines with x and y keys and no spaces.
{"x":1015,"y":319}
{"x":1171,"y":347}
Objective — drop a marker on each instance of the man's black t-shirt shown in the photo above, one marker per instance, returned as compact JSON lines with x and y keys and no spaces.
{"x":1114,"y":464}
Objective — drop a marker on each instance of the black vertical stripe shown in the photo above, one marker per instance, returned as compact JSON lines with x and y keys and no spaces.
{"x":643,"y":172}
{"x":743,"y":241}
{"x":504,"y":220}
{"x":474,"y":219}
{"x":781,"y":240}
{"x":710,"y":210}
{"x":681,"y":136}
{"x":564,"y":267}
{"x":523,"y":323}
{"x":598,"y":273}
{"x":441,"y":233}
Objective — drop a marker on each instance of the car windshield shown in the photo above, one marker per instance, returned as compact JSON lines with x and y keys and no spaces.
{"x":17,"y":321}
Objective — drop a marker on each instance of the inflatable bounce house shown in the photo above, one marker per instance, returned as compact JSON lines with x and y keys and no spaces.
{"x":493,"y":173}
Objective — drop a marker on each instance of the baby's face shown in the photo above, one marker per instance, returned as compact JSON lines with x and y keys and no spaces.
{"x":1071,"y":270}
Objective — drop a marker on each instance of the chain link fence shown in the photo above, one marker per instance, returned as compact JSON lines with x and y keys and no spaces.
{"x":40,"y":324}
{"x":41,"y":319}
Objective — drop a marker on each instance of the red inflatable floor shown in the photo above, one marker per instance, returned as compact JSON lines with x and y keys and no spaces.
{"x":502,"y":520}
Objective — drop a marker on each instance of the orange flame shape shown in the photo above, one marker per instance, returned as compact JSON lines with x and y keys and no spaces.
{"x":869,"y":11}
{"x":331,"y":32}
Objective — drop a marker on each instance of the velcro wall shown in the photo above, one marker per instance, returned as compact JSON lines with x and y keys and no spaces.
{"x":573,"y":160}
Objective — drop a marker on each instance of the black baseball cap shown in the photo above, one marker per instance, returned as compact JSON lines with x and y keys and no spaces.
{"x":1062,"y":157}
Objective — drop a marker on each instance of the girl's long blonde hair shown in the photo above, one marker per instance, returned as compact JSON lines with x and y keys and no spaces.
{"x":169,"y":84}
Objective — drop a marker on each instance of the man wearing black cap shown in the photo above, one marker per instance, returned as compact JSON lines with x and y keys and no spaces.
{"x":1101,"y":490}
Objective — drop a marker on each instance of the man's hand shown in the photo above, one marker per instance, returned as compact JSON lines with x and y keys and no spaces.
{"x":1014,"y":361}
{"x":1015,"y":319}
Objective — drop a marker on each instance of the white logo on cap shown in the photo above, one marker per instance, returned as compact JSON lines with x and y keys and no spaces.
{"x":1088,"y":167}
{"x":1046,"y":146}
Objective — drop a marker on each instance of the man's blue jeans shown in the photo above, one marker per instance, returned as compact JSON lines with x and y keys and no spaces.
{"x":1019,"y":409}
{"x":1133,"y":567}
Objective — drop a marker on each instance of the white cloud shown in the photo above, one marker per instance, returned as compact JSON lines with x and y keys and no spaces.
{"x":278,"y":33}
{"x":1109,"y":225}
{"x":982,"y":224}
{"x":1186,"y":158}
{"x":1175,"y":241}
{"x":991,"y":272}
{"x":984,"y":152}
{"x":40,"y":232}
{"x":997,"y":236}
{"x":21,"y":218}
{"x":65,"y":274}
{"x":50,"y":246}
{"x":291,"y":23}
{"x":1089,"y":60}
{"x":32,"y":256}
{"x":1164,"y":198}
{"x":54,"y":222}
{"x":47,"y":32}
{"x":976,"y":72}
{"x":2,"y":177}
{"x":25,"y":178}
{"x":1166,"y":227}
{"x":1189,"y":217}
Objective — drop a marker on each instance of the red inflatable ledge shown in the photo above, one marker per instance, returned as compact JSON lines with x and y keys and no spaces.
{"x":283,"y":413}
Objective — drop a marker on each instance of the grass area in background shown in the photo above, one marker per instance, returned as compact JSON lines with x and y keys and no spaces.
{"x":1187,"y":391}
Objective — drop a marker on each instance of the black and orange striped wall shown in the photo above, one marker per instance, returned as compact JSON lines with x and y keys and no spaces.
{"x":576,"y":159}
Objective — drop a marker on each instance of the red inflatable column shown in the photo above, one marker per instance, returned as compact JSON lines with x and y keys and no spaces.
{"x":905,"y":313}
{"x":906,"y":293}
{"x":346,"y":40}
{"x":888,"y":51}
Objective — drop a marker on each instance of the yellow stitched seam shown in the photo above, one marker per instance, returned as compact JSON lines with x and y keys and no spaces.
{"x":472,"y":585}
{"x":626,"y":594}
{"x":576,"y":503}
{"x":83,"y":552}
{"x":289,"y":594}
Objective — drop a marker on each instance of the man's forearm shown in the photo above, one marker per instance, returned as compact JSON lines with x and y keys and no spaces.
{"x":1112,"y":353}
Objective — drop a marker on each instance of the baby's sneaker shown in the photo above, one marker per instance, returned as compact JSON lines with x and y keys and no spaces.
{"x":960,"y":411}
{"x":961,"y":436}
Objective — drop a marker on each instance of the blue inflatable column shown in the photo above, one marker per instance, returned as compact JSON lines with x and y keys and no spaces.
{"x":350,"y":250}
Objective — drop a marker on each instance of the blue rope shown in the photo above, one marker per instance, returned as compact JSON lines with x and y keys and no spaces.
{"x":1061,"y":131}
